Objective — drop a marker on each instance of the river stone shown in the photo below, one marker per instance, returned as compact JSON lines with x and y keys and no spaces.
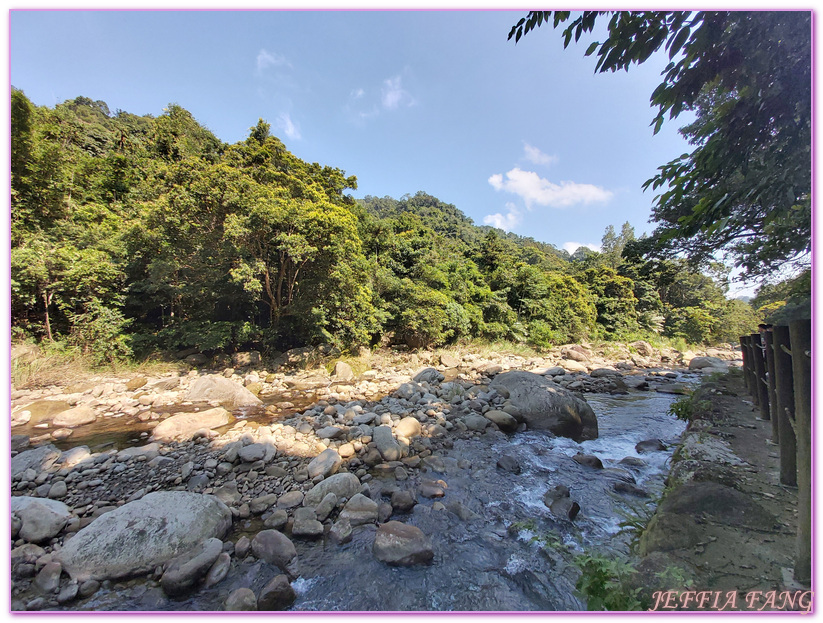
{"x":261,"y":504}
{"x":39,"y":459}
{"x":19,"y":502}
{"x":326,"y":506}
{"x":408,"y":427}
{"x":58,"y":490}
{"x":545,"y":405}
{"x":74,"y":417}
{"x":329,"y":432}
{"x":343,"y":371}
{"x":183,"y":572}
{"x":649,"y":445}
{"x":290,"y":499}
{"x":136,"y":383}
{"x":183,"y":426}
{"x":277,"y":520}
{"x":242,"y":599}
{"x":19,"y":443}
{"x":698,"y":363}
{"x":400,"y":544}
{"x":325,"y":463}
{"x":276,"y":595}
{"x":389,"y":449}
{"x":449,"y":360}
{"x":306,"y":524}
{"x":276,"y":549}
{"x":44,"y":410}
{"x":504,"y":421}
{"x":39,"y":523}
{"x":621,"y":486}
{"x":360,"y":510}
{"x":343,"y":485}
{"x":252,"y":452}
{"x":509,"y":463}
{"x":402,"y":501}
{"x":138,"y":536}
{"x":475,"y":422}
{"x":589,"y":460}
{"x":340,"y":532}
{"x":149,"y":451}
{"x":428,"y":375}
{"x":48,"y":580}
{"x":229,"y":394}
{"x":228,"y":493}
{"x":218,"y":571}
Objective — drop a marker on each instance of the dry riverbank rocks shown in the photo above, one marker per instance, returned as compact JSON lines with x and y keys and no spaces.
{"x":138,"y":536}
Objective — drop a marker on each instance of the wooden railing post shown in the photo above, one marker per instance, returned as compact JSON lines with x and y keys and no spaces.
{"x":762,"y":391}
{"x":784,"y":404}
{"x":752,"y":372}
{"x":747,"y":362}
{"x":800,"y":335}
{"x":769,"y":352}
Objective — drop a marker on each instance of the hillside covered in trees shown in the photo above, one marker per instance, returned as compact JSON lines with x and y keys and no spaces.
{"x":134,"y":234}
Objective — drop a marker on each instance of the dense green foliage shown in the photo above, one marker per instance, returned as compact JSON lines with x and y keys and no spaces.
{"x":745,"y":189}
{"x":135,"y":234}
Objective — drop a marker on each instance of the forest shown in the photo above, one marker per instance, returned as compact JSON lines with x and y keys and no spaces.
{"x":133,"y":235}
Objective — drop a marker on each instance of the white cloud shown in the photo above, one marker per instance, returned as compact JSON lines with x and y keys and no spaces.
{"x":535,"y":190}
{"x":267,"y":59}
{"x":571,"y":247}
{"x":507,"y":221}
{"x":394,"y":95}
{"x":357,"y":94}
{"x":285,"y":123}
{"x":535,"y":156}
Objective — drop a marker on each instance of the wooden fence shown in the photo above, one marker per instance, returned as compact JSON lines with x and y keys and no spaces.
{"x":777,"y":370}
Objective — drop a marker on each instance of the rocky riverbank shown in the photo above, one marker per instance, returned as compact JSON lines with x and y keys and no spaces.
{"x":166,"y":471}
{"x":726,"y":524}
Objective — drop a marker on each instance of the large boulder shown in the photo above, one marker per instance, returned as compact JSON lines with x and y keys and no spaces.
{"x":229,"y":394}
{"x":39,"y":523}
{"x":325,"y":463}
{"x":544,"y":405}
{"x":343,"y":485}
{"x":184,"y":572}
{"x":185,"y":425}
{"x":275,"y":548}
{"x":38,"y":459}
{"x":401,"y":544}
{"x":137,"y":537}
{"x":699,"y":363}
{"x":78,"y":416}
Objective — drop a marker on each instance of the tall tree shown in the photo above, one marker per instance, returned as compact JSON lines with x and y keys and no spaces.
{"x":748,"y":181}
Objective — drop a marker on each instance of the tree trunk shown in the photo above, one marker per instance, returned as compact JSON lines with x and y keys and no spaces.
{"x":46,"y":302}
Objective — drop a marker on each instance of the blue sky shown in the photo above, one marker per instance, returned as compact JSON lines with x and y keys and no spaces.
{"x":525,"y":137}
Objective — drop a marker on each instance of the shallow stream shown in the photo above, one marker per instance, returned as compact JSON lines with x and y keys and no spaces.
{"x":485,"y":555}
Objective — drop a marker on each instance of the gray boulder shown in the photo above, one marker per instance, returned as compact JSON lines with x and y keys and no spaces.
{"x":343,"y":371}
{"x":183,"y":426}
{"x":276,"y":595}
{"x":325,"y":463}
{"x":359,"y":510}
{"x":137,"y":537}
{"x":504,"y":421}
{"x":400,"y":544}
{"x":387,"y":446}
{"x":342,"y":485}
{"x":698,"y":363}
{"x":229,"y":394}
{"x":38,"y":459}
{"x":183,"y":572}
{"x":276,"y":549}
{"x":544,"y":405}
{"x":74,"y":417}
{"x":240,"y":600}
{"x":39,"y":523}
{"x":428,"y":375}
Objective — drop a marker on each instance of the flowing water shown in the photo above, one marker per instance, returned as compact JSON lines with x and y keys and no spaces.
{"x":486,"y":557}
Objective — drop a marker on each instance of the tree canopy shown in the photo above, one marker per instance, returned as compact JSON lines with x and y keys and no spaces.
{"x":132,"y":234}
{"x":745,"y":189}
